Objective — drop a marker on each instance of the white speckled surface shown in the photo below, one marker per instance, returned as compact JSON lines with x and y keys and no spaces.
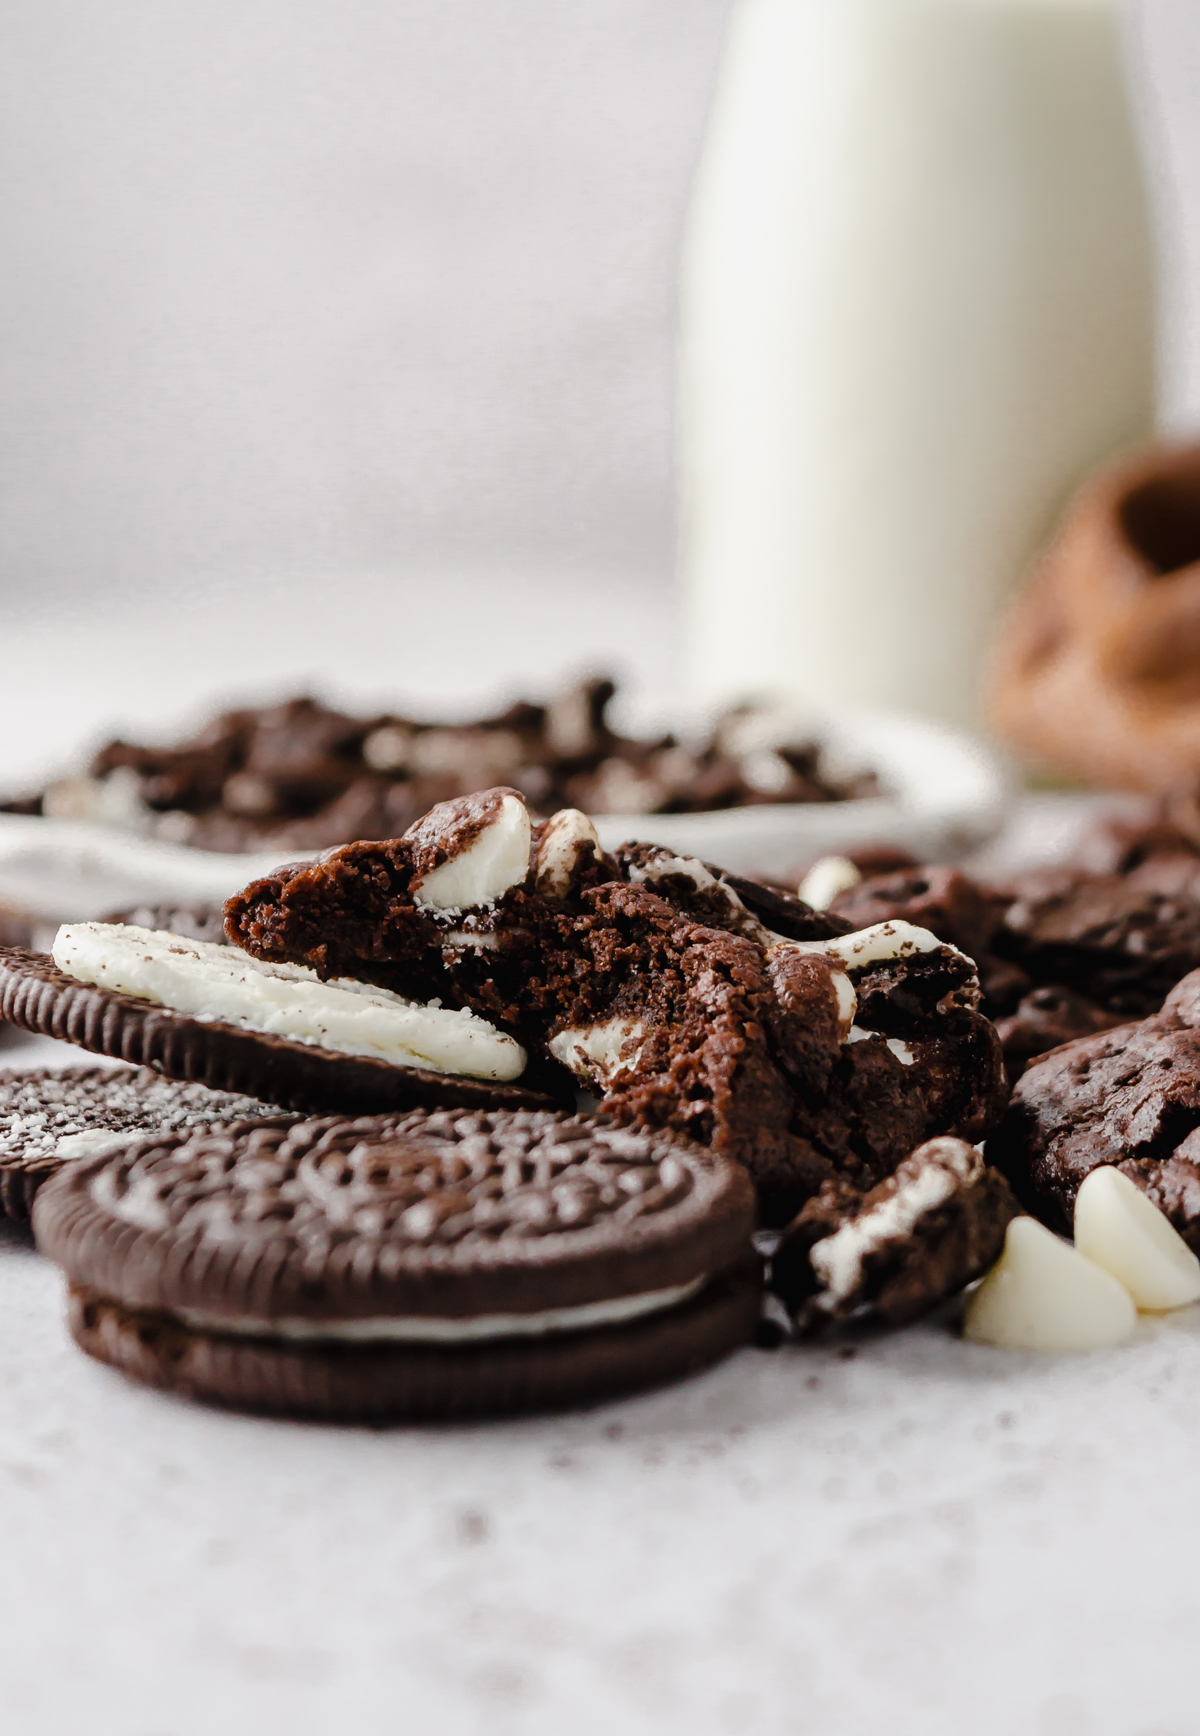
{"x":927,"y":1536}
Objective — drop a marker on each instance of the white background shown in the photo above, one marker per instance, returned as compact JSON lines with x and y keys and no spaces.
{"x":377,"y":289}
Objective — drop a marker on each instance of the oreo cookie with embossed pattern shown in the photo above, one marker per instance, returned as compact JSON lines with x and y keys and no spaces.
{"x":50,"y":1118}
{"x":444,"y":1264}
{"x":305,"y":1076}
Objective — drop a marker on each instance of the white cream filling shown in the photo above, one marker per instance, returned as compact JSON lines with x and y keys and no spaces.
{"x":558,"y":851}
{"x":211,"y":982}
{"x":495,"y":860}
{"x":838,"y":1259}
{"x":429,"y":1329}
{"x":594,"y":1052}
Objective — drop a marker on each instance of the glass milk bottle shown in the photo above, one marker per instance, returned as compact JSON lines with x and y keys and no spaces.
{"x":917,"y":306}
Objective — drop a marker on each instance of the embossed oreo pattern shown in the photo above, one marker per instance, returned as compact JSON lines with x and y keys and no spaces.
{"x":37,"y":996}
{"x":449,"y":1180}
{"x":40,"y":1108}
{"x":446,"y":1214}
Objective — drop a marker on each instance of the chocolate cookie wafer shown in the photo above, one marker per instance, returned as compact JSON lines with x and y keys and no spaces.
{"x":300,"y":1072}
{"x":49,"y":1119}
{"x":434,"y":1265}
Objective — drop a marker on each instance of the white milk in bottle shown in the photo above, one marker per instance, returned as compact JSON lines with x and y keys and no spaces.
{"x":917,"y":306}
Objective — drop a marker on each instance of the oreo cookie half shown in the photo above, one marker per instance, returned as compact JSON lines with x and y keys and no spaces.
{"x":444,"y":1265}
{"x":207,"y":1050}
{"x":48,"y":1119}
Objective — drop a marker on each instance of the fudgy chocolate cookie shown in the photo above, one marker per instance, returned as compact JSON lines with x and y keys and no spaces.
{"x":1111,"y":938}
{"x":48,"y":1119}
{"x":1129,"y":1097}
{"x":1061,"y":953}
{"x":684,"y":999}
{"x":933,"y":1226}
{"x":440,"y":1265}
{"x":300,"y":776}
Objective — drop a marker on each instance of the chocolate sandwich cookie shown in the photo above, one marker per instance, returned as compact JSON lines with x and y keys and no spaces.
{"x":280,"y":1039}
{"x":441,"y":1265}
{"x":681,"y":997}
{"x":49,"y":1119}
{"x":893,"y":1254}
{"x":1128,"y":1097}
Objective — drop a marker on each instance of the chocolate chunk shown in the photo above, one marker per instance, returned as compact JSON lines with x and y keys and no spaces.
{"x":422,"y":1266}
{"x":918,"y":1237}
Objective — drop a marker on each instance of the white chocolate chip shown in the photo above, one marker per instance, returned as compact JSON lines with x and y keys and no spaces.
{"x":883,"y":940}
{"x":847,"y":1004}
{"x":594,"y":1053}
{"x":1118,"y":1228}
{"x":566,"y":833}
{"x":1042,"y":1294}
{"x":825,"y":879}
{"x":496,"y":858}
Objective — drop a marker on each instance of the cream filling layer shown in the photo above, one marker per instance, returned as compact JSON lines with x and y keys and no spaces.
{"x":431,"y":1329}
{"x":210,"y":982}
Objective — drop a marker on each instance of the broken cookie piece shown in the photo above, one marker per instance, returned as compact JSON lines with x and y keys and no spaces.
{"x":918,"y":1237}
{"x":686,"y":999}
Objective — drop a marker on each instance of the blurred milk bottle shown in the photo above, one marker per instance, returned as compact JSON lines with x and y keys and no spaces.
{"x":918,"y":304}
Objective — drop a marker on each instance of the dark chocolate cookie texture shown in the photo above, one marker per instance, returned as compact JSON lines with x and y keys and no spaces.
{"x":1128,"y":1097}
{"x":890,"y":1255}
{"x":682,"y":998}
{"x":393,"y":1267}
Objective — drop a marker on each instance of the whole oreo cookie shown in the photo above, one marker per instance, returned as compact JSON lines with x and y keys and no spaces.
{"x":432,"y":1265}
{"x":48,"y":1119}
